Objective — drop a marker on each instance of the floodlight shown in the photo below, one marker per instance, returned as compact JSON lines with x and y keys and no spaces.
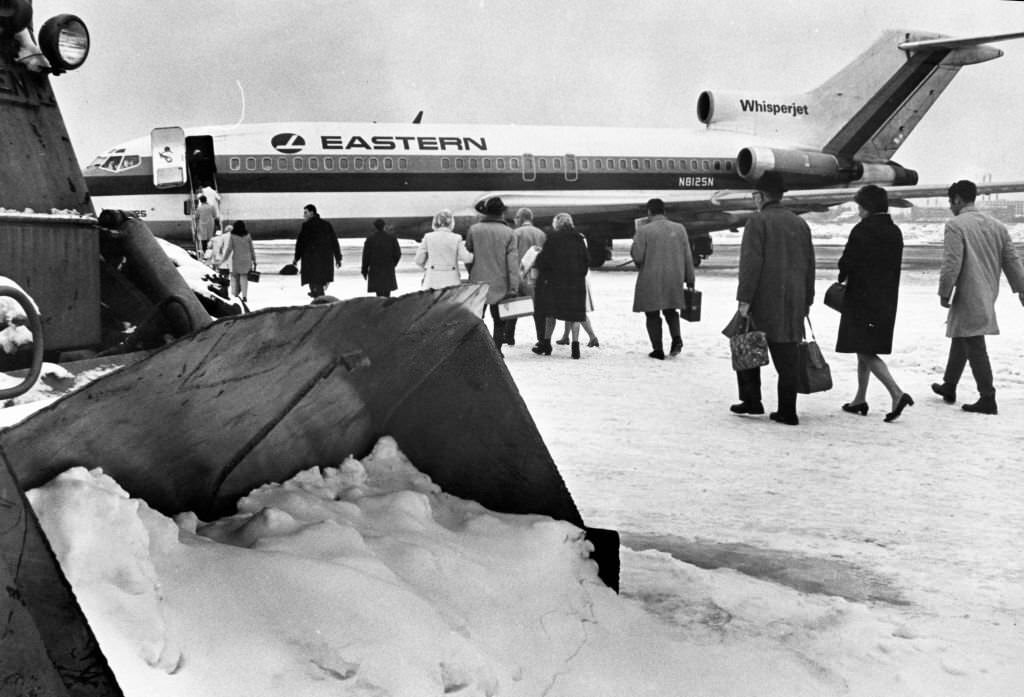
{"x":64,"y":40}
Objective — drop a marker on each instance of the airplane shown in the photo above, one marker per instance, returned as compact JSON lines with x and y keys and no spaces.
{"x":826,"y":143}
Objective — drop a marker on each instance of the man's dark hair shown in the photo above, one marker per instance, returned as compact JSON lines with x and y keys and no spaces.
{"x":873,"y":198}
{"x":311,"y":208}
{"x":656,"y":206}
{"x":965,"y":189}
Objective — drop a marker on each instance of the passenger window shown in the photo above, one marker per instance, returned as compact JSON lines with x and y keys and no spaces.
{"x":647,"y":165}
{"x":514,"y":163}
{"x":297,"y":164}
{"x":557,"y":163}
{"x":487,"y":163}
{"x":636,"y":164}
{"x":358,"y":163}
{"x":460,"y":163}
{"x":314,"y":164}
{"x":389,"y":163}
{"x":542,"y":163}
{"x":282,"y":164}
{"x":235,"y":164}
{"x":446,"y":163}
{"x":342,"y":163}
{"x":373,"y":163}
{"x":267,"y":164}
{"x":474,"y":163}
{"x":250,"y":163}
{"x":403,"y":163}
{"x":500,"y":162}
{"x":329,"y":163}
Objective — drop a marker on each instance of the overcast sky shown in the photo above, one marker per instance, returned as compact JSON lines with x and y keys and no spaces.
{"x":564,"y":62}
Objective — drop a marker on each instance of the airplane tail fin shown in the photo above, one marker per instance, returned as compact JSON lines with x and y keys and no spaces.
{"x":866,"y":110}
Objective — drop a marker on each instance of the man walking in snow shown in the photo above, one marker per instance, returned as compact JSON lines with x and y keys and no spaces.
{"x":976,"y":247}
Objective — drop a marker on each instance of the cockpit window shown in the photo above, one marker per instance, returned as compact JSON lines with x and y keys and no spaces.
{"x":116,"y":161}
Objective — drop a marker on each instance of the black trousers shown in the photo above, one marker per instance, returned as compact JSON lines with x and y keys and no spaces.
{"x":654,"y":326}
{"x":499,"y":326}
{"x":784,"y":357}
{"x":970,"y":349}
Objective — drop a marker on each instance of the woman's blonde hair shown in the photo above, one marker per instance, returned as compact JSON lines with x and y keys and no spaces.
{"x":443,"y":219}
{"x":563,"y":221}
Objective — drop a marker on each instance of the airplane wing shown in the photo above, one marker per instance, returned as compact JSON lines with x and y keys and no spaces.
{"x":726,"y":208}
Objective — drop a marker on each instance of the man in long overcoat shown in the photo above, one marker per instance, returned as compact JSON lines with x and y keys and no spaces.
{"x":381,"y":254}
{"x":495,"y":259}
{"x":776,"y":289}
{"x":664,"y":262}
{"x":315,"y":247}
{"x":527,"y":236}
{"x":976,"y":248}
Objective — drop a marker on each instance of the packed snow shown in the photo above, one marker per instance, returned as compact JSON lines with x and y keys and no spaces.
{"x":844,"y":556}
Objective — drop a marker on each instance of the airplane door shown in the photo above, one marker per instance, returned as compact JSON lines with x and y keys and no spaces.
{"x":529,"y":168}
{"x":168,"y":146}
{"x":571,"y":172}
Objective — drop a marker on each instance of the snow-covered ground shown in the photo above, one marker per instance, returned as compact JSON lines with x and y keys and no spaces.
{"x":845,"y":556}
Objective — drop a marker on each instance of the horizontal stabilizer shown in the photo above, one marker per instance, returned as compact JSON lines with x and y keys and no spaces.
{"x":951,"y":42}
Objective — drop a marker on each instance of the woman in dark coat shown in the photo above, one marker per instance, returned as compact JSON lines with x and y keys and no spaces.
{"x":381,"y":253}
{"x":870,"y":265}
{"x":561,"y":290}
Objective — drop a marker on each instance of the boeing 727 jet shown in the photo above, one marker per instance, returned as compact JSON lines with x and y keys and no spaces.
{"x":826,"y":143}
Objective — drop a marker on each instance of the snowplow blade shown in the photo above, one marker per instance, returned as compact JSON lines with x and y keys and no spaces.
{"x":257,"y":398}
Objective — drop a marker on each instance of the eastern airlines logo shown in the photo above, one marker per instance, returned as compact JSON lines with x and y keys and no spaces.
{"x":291,"y":143}
{"x":763,"y":107}
{"x":288,"y":143}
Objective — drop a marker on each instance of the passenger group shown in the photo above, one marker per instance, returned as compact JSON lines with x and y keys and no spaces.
{"x":775,"y":288}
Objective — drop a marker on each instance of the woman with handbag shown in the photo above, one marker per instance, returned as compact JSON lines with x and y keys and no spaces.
{"x":870,"y":266}
{"x":243,"y":259}
{"x":561,"y":291}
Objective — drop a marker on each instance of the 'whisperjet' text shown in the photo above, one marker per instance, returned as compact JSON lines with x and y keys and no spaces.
{"x":764,"y":107}
{"x":402,"y":143}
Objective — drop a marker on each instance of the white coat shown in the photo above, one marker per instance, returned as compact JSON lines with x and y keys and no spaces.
{"x":976,"y":247}
{"x":439,"y":255}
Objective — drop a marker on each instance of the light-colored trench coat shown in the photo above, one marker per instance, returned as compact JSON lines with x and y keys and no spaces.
{"x":976,"y":247}
{"x":439,"y":255}
{"x":495,"y":258}
{"x":664,"y":262}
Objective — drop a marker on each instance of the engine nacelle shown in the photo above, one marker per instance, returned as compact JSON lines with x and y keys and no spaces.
{"x":804,"y":166}
{"x":813,"y":168}
{"x":743,"y":111}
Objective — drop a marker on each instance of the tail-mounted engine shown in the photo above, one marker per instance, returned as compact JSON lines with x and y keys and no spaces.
{"x":810,"y":168}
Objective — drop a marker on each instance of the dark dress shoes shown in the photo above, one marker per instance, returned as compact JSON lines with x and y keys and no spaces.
{"x":904,"y":401}
{"x":658,"y":354}
{"x":747,"y":408}
{"x":575,"y":348}
{"x":542,"y":348}
{"x":947,"y":392}
{"x":677,"y":347}
{"x":861,"y":408}
{"x":593,"y":343}
{"x":788,"y":419}
{"x":985,"y":405}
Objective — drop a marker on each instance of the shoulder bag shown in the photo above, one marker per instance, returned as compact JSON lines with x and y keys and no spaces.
{"x":813,"y":373}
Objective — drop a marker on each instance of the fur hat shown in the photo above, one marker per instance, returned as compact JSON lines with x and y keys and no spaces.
{"x":492,"y":205}
{"x":772,"y":183}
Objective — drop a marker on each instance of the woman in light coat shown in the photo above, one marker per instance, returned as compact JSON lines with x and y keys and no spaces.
{"x":440,"y":252}
{"x":243,"y":259}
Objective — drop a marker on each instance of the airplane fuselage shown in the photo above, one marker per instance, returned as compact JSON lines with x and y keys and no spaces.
{"x":405,"y":173}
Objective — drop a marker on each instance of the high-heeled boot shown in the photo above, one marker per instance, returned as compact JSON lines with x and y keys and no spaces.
{"x":543,"y":347}
{"x":575,"y":347}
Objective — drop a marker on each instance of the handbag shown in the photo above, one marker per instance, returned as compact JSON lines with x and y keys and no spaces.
{"x":691,"y":305}
{"x":813,"y":373}
{"x":835,"y":296}
{"x":749,"y":347}
{"x":253,"y":275}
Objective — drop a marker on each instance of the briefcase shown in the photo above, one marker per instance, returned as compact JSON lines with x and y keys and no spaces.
{"x":515,"y":307}
{"x":253,"y":276}
{"x":691,"y":305}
